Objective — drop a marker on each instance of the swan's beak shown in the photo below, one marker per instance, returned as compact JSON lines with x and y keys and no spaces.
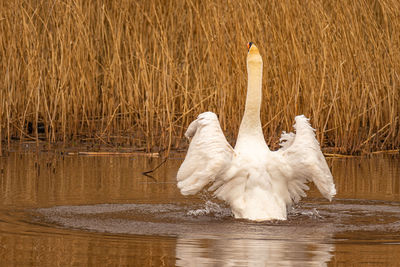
{"x":253,"y":55}
{"x":252,"y":48}
{"x":249,"y":45}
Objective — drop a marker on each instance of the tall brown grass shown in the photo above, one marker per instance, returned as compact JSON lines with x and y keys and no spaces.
{"x":137,"y":72}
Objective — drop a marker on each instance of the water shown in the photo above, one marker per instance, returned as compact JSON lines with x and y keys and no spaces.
{"x":60,"y":210}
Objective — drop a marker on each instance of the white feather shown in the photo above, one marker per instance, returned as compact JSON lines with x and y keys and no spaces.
{"x":208,"y":155}
{"x":307,"y":162}
{"x":257,"y":183}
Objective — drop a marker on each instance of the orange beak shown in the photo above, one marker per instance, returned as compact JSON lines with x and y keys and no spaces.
{"x":249,"y":44}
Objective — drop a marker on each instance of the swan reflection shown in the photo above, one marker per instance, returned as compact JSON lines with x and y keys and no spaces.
{"x":284,"y":247}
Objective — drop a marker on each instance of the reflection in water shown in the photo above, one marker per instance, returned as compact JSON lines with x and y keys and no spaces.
{"x":242,"y":250}
{"x":129,"y":219}
{"x":214,"y":236}
{"x":368,"y":178}
{"x":310,"y":236}
{"x":61,"y":248}
{"x":30,"y":180}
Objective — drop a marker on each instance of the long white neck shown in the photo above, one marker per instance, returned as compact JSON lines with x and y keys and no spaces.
{"x":250,"y":131}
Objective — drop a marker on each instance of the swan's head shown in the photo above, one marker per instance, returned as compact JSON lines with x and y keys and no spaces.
{"x":253,"y":56}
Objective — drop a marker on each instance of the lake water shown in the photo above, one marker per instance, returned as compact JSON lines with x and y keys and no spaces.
{"x":60,"y":210}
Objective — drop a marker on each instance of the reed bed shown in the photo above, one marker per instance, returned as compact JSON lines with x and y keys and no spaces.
{"x":137,"y":73}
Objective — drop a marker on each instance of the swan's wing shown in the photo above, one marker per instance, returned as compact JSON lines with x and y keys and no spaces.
{"x":209,"y":154}
{"x":302,"y":152}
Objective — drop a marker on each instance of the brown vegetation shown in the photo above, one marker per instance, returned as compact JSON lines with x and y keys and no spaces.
{"x":137,"y":72}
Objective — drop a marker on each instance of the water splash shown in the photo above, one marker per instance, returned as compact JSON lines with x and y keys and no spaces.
{"x":298,"y":211}
{"x":210,"y":208}
{"x":314,"y":213}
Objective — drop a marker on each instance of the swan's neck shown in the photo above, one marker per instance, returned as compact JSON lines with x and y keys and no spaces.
{"x":250,"y":130}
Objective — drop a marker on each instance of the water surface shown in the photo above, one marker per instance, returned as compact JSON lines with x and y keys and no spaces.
{"x":100,"y":210}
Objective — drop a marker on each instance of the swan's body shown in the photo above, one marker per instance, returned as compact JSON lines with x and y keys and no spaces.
{"x":257,"y":183}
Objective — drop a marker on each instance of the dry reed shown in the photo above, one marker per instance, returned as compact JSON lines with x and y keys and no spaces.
{"x":137,"y":72}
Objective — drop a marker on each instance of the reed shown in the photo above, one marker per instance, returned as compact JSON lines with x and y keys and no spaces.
{"x":137,"y":72}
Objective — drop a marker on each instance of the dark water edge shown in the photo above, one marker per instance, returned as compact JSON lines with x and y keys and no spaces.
{"x":86,"y":210}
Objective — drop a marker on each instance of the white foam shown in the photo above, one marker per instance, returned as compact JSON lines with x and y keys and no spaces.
{"x":210,"y":208}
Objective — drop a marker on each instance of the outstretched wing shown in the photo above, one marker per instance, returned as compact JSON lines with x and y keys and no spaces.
{"x":302,"y":152}
{"x":209,"y":154}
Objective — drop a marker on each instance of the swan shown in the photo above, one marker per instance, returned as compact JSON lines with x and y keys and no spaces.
{"x":258,"y":184}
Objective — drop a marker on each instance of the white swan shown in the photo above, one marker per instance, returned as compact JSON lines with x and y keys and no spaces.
{"x":257,"y":183}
